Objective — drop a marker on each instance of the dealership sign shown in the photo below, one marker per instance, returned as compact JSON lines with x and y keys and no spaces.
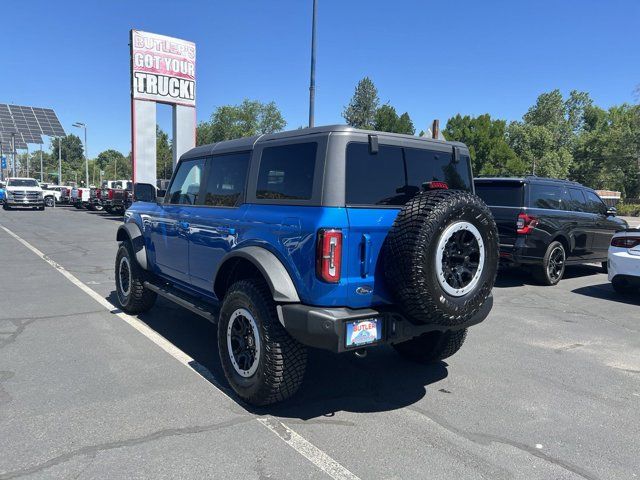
{"x":163,"y":69}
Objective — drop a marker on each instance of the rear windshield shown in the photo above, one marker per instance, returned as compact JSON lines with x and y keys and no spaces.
{"x":395,"y":174}
{"x":500,"y":194}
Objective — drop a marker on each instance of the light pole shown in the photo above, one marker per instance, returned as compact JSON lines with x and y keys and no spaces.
{"x":312,"y":82}
{"x":86,"y":156}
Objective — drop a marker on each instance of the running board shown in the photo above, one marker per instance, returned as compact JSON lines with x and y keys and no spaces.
{"x":198,"y":307}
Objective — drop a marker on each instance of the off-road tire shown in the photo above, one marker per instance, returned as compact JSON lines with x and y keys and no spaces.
{"x":139,"y":299}
{"x":281,"y":360}
{"x":433,"y":346}
{"x":410,"y":254}
{"x":542,"y":272}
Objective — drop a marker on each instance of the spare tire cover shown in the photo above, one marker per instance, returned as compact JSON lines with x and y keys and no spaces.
{"x":441,"y":257}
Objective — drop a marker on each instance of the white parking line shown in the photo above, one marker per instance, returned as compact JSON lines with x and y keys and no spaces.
{"x":305,"y":448}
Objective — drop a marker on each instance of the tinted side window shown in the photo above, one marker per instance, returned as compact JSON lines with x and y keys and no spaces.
{"x":186,"y":183}
{"x":226,"y":179}
{"x":395,"y":174}
{"x":577,"y":202}
{"x":286,"y":172}
{"x":594,"y":203}
{"x":375,"y":179}
{"x":545,"y":196}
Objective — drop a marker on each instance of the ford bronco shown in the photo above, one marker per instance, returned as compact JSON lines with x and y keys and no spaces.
{"x":329,"y":237}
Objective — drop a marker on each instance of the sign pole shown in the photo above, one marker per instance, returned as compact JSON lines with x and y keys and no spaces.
{"x":59,"y":160}
{"x":41,"y":166}
{"x":312,"y":82}
{"x":13,"y":154}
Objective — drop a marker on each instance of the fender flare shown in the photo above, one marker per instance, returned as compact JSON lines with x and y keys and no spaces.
{"x":279,"y":281}
{"x":130,"y":232}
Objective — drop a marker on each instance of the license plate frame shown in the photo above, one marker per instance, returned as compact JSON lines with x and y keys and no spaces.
{"x":363,"y":332}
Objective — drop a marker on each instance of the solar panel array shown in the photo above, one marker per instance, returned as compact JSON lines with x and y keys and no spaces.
{"x":5,"y":138}
{"x":29,"y":123}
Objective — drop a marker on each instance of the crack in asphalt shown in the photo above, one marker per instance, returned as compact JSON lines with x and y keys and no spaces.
{"x":22,"y":323}
{"x":92,"y":450}
{"x":487,"y":438}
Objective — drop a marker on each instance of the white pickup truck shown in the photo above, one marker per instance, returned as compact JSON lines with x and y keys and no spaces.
{"x":23,"y":192}
{"x":52,"y":193}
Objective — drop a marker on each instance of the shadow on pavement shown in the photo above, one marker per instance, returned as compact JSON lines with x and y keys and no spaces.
{"x":382,"y":381}
{"x":519,"y":276}
{"x":605,"y":291}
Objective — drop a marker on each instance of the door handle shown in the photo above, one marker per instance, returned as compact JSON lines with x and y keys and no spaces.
{"x":365,"y":254}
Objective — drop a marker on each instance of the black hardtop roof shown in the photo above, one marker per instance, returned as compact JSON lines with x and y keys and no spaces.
{"x":527,"y":179}
{"x":248,"y":143}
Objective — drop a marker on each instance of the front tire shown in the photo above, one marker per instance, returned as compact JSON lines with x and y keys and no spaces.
{"x":553,"y":264}
{"x":261,"y":361}
{"x":132,"y":295}
{"x":49,"y":201}
{"x":433,"y":346}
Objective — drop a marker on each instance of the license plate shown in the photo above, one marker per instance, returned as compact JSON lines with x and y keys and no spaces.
{"x":363,"y":332}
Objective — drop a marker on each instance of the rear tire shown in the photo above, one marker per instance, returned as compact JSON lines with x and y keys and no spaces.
{"x":553,"y":265}
{"x":433,"y":346}
{"x":261,"y":361}
{"x":132,"y":295}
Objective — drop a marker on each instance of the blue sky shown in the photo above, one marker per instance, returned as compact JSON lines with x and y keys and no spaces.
{"x":432,"y":59}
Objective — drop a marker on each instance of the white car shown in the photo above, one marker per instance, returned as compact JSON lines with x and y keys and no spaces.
{"x":624,"y":260}
{"x":23,"y":192}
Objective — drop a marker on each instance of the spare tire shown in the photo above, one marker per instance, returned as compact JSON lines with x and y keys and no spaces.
{"x":441,"y":257}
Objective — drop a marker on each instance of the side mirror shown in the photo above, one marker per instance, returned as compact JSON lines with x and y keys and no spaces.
{"x":161,"y":193}
{"x":611,"y":212}
{"x":144,"y":192}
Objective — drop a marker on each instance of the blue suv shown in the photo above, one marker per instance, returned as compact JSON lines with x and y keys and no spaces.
{"x":329,"y":237}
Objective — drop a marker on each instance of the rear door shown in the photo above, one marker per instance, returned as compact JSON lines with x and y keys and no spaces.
{"x":216,"y":226}
{"x":377,"y":186}
{"x":582,"y":224}
{"x":604,"y":227}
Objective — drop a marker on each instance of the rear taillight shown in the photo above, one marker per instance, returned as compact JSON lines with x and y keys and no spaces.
{"x":526,"y":223}
{"x":625,"y":242}
{"x":329,"y":255}
{"x":110,"y":194}
{"x":435,"y":185}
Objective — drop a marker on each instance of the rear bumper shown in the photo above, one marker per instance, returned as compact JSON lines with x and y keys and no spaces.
{"x":624,"y":265}
{"x":325,"y":328}
{"x":520,"y":253}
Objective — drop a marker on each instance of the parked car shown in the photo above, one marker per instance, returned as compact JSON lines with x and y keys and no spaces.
{"x":117,"y":197}
{"x":547,"y":224}
{"x":329,"y":237}
{"x":52,"y":194}
{"x":95,"y":201}
{"x":65,"y":195}
{"x":23,"y":192}
{"x":3,"y":186}
{"x":624,"y":261}
{"x":80,"y":197}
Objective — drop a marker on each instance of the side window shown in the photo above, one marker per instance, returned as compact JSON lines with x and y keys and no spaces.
{"x":226,"y":180}
{"x":186,"y":183}
{"x":545,"y":196}
{"x":286,"y":172}
{"x":577,"y":201}
{"x":376,"y":179}
{"x":594,"y":203}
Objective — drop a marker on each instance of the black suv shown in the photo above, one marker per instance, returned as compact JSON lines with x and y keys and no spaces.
{"x":549,"y":223}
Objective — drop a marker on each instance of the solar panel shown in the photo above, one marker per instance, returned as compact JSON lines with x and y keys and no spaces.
{"x":31,"y":122}
{"x":5,"y":138}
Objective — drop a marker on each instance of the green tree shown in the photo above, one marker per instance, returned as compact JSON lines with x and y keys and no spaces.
{"x":361,"y":111}
{"x":405,"y":125}
{"x":386,"y":119}
{"x":607,"y":152}
{"x":72,"y":157}
{"x":114,"y":164}
{"x":251,"y":117}
{"x":490,"y":153}
{"x":164,"y":154}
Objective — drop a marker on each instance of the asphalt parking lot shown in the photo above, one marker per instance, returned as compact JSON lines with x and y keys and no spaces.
{"x":547,"y":388}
